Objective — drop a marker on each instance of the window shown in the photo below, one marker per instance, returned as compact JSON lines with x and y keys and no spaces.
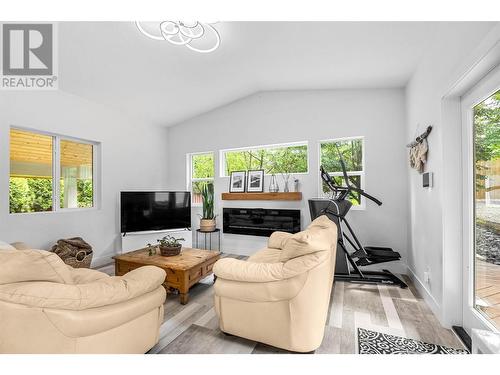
{"x":201,"y":167}
{"x":283,"y":158}
{"x":351,"y":150}
{"x":49,"y":172}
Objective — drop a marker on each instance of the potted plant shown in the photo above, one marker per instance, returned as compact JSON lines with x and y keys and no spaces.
{"x":207,"y":221}
{"x":169,"y":245}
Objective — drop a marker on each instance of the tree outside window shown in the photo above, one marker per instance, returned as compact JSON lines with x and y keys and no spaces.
{"x":351,"y":151}
{"x":202,"y":169}
{"x":286,"y":159}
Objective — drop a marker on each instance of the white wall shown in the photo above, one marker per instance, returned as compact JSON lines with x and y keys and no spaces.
{"x":276,"y":117}
{"x":454,"y":43}
{"x":133,"y":157}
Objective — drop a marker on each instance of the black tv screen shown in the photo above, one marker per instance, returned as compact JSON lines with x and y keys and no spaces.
{"x":155,"y":210}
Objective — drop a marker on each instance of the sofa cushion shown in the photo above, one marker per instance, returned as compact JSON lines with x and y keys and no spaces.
{"x":103,"y":292}
{"x":33,"y":265}
{"x":277,"y":240}
{"x":6,"y":246}
{"x":266,"y":255}
{"x":321,"y":235}
{"x":86,"y":275}
{"x":21,"y":246}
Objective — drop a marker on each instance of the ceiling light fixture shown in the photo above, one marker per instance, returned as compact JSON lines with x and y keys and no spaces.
{"x":197,"y":36}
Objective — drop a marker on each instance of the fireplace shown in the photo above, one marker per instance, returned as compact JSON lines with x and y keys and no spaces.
{"x":260,"y":221}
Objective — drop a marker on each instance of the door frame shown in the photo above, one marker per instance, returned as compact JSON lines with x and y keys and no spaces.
{"x":487,"y":86}
{"x":475,"y":67}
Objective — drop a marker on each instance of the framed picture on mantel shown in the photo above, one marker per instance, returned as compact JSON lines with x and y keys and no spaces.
{"x":255,"y":181}
{"x":237,"y":182}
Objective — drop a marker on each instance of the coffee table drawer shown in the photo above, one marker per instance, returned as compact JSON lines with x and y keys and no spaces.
{"x":207,"y":269}
{"x":195,"y":273}
{"x":121,"y":268}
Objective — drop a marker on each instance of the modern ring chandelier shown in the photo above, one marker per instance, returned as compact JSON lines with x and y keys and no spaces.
{"x":197,"y":36}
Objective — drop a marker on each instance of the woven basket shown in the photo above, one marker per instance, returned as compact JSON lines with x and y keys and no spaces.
{"x":74,"y":251}
{"x":81,"y":260}
{"x":167,"y":251}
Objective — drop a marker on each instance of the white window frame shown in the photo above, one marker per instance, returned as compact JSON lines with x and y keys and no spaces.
{"x":222,"y":155}
{"x":189,"y":174}
{"x":362,"y":174}
{"x":56,"y":171}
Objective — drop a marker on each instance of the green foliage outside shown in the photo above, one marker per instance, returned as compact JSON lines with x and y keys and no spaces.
{"x":34,"y":194}
{"x":282,"y":160}
{"x":30,"y":194}
{"x":355,"y":198}
{"x":203,"y":165}
{"x":85,"y":191}
{"x":351,"y":151}
{"x":487,"y":136}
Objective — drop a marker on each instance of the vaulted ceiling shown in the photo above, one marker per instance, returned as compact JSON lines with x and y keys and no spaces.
{"x":112,"y":63}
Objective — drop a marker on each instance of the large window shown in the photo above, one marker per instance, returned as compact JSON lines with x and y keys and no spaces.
{"x":201,"y":167}
{"x":49,"y":172}
{"x":283,"y":158}
{"x":351,"y":150}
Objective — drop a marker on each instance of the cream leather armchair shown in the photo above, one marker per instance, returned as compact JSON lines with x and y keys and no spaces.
{"x":49,"y":307}
{"x":281,"y":294}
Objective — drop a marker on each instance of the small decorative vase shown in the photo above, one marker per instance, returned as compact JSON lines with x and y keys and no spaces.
{"x":296,"y":185}
{"x":207,"y":225}
{"x":273,"y":185}
{"x":169,"y":251}
{"x":286,"y":189}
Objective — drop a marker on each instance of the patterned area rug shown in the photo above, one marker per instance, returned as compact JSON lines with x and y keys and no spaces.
{"x":371,"y":342}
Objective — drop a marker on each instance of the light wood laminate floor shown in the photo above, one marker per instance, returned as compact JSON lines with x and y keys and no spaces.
{"x":194,"y":328}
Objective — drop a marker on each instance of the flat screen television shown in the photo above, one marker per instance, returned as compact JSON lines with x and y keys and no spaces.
{"x":154,"y":210}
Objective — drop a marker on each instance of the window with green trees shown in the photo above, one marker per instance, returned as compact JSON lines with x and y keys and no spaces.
{"x":32,"y":186}
{"x":202,"y":170}
{"x":276,"y":159}
{"x":351,"y":150}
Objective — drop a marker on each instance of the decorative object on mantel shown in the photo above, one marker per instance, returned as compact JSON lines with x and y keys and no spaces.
{"x":255,"y":181}
{"x":169,"y":246}
{"x":296,"y":185}
{"x":267,"y":196}
{"x":237,"y":182}
{"x":207,"y":221}
{"x":273,"y":186}
{"x":418,"y":150}
{"x":74,"y":251}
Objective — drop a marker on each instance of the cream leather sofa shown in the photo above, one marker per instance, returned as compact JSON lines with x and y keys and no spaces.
{"x":49,"y":307}
{"x":280,"y":295}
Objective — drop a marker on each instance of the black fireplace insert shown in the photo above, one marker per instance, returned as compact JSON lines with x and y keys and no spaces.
{"x":260,"y":221}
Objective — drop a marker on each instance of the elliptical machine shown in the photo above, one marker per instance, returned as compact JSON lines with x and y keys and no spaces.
{"x":347,"y":264}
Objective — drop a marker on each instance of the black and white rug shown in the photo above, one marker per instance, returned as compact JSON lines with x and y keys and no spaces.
{"x":371,"y":342}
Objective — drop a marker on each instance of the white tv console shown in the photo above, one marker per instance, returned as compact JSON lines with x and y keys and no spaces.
{"x":138,"y":240}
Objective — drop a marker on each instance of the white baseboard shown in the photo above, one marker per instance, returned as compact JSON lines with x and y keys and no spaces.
{"x":102,"y":260}
{"x":426,"y":294}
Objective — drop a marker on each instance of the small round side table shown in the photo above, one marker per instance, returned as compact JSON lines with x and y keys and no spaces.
{"x":209,"y":235}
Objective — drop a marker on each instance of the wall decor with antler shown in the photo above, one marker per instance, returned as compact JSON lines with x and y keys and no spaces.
{"x":418,"y":150}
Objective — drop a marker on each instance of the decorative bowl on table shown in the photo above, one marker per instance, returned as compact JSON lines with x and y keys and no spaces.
{"x":169,"y":251}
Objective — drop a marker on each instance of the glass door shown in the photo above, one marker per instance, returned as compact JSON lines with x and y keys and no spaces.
{"x":481,"y":119}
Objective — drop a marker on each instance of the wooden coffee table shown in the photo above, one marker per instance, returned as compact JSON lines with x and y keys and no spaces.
{"x":183,"y":270}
